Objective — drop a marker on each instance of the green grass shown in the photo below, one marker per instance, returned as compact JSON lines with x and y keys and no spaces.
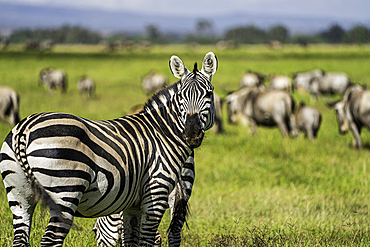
{"x":261,"y":190}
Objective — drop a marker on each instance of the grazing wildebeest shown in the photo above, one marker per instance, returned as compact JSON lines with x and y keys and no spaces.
{"x":46,"y":45}
{"x":86,"y":86}
{"x":330,"y":83}
{"x":353,"y":112}
{"x":9,"y":105}
{"x":319,"y":82}
{"x":308,"y":120}
{"x":281,"y":82}
{"x":153,"y":82}
{"x":251,"y":79}
{"x":303,"y":80}
{"x":270,"y":108}
{"x":53,"y":79}
{"x":234,"y":103}
{"x":217,"y":127}
{"x":31,"y":45}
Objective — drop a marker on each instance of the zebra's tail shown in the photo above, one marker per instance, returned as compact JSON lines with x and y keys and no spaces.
{"x":20,"y":144}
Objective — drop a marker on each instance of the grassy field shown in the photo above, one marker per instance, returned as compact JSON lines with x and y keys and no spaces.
{"x":261,"y":190}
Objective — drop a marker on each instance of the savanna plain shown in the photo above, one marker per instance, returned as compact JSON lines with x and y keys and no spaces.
{"x":249,"y":190}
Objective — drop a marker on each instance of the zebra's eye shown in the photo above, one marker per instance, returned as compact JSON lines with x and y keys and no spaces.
{"x":209,"y":94}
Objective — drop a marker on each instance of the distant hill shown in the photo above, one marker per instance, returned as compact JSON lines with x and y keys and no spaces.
{"x":15,"y":16}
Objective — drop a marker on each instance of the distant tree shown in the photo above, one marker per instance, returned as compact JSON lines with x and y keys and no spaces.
{"x":204,"y":27}
{"x":21,"y":35}
{"x":64,"y":34}
{"x":279,"y":33}
{"x":358,"y":34}
{"x":335,"y":34}
{"x":247,"y":35}
{"x":152,"y":32}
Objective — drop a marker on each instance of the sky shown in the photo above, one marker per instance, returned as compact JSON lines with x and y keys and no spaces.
{"x":344,"y":9}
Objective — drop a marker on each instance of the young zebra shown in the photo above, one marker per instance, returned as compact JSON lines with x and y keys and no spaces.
{"x":108,"y":229}
{"x":86,"y":168}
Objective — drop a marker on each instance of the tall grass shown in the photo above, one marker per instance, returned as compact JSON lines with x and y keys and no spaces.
{"x":260,"y":190}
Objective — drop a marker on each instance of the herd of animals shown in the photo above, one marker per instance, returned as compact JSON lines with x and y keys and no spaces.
{"x":49,"y":77}
{"x":255,"y":104}
{"x":168,"y":128}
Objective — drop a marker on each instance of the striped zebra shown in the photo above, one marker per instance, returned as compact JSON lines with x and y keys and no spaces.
{"x":108,"y":229}
{"x":84,"y":168}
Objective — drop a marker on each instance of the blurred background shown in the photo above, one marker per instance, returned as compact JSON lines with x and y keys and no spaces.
{"x":203,"y":22}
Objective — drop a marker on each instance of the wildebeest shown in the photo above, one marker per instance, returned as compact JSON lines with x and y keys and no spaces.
{"x":281,"y":82}
{"x":217,"y":127}
{"x":9,"y":105}
{"x":31,"y":45}
{"x":303,"y":80}
{"x":330,"y":83}
{"x":308,"y":120}
{"x":86,"y":86}
{"x":46,"y":45}
{"x":268,"y":108}
{"x":251,"y":79}
{"x":319,"y":82}
{"x":226,"y":44}
{"x":53,"y":79}
{"x":234,"y":103}
{"x":353,"y":112}
{"x":153,"y":81}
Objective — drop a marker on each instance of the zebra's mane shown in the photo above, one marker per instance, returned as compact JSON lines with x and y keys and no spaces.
{"x":159,"y":98}
{"x":195,"y":70}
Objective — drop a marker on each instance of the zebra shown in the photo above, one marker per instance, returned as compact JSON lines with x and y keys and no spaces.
{"x":53,"y":78}
{"x":85,"y":168}
{"x":108,"y":229}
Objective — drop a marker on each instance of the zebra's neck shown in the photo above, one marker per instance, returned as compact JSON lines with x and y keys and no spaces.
{"x":164,"y":110}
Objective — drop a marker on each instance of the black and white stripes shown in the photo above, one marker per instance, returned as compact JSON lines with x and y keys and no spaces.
{"x":86,"y":168}
{"x":109,"y":228}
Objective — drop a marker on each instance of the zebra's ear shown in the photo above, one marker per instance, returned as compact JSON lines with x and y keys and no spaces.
{"x":177,"y":67}
{"x":209,"y":66}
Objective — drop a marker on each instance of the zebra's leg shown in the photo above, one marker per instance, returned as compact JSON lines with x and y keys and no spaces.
{"x":131,"y":226}
{"x":62,"y":203}
{"x":61,"y":219}
{"x":178,"y":202}
{"x":108,"y":230}
{"x":20,"y":196}
{"x":158,"y":240}
{"x":153,"y":207}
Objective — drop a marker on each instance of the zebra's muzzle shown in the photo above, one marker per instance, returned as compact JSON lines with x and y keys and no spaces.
{"x":193,"y":132}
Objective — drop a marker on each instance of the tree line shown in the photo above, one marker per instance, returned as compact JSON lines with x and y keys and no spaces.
{"x":204,"y":34}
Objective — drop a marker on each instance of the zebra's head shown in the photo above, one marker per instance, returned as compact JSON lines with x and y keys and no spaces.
{"x":195,"y":97}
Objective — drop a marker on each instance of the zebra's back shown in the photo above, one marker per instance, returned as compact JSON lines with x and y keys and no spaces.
{"x":100,"y":155}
